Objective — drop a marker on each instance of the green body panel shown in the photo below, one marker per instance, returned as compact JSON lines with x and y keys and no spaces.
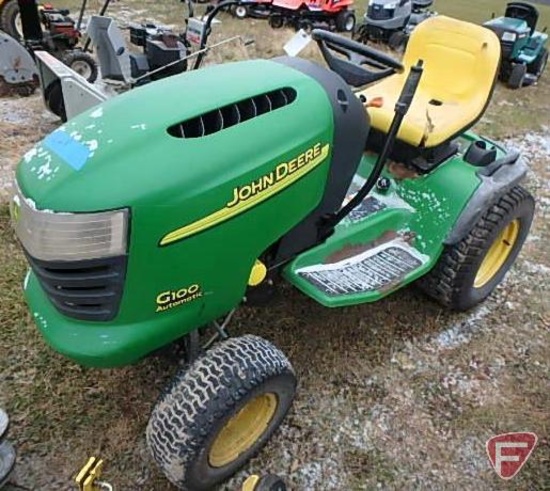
{"x":419,"y":211}
{"x":168,"y":183}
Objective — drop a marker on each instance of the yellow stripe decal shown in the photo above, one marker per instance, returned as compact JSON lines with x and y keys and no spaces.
{"x":231,"y":210}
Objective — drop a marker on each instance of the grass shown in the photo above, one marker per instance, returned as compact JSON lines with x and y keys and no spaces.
{"x":381,"y":405}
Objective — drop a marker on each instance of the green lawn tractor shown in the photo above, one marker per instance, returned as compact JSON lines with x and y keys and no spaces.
{"x":524,"y":49}
{"x":150,"y":218}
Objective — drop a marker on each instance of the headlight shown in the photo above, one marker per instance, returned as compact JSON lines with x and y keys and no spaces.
{"x":391,"y":6}
{"x":51,"y":236}
{"x":509,"y":36}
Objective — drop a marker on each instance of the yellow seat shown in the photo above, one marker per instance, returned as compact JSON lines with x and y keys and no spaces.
{"x":461,"y":62}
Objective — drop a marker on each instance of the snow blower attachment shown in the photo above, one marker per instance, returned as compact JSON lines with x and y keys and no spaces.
{"x":350,"y":182}
{"x":18,"y":73}
{"x":164,"y":53}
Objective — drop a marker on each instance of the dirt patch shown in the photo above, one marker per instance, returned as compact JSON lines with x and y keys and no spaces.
{"x":23,"y":121}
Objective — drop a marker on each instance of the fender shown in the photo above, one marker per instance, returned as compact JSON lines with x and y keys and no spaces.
{"x":496,"y":179}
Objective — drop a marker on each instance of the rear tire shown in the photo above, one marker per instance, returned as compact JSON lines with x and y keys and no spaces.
{"x":469,"y":271}
{"x":10,"y":20}
{"x":220,"y":411}
{"x":517,"y":76}
{"x":345,"y":21}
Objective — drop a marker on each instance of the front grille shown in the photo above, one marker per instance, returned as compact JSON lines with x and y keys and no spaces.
{"x":377,"y":12}
{"x":87,"y":290}
{"x":507,"y":48}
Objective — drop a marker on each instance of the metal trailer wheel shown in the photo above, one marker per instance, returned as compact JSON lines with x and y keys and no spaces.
{"x":83,"y":64}
{"x":240,"y":11}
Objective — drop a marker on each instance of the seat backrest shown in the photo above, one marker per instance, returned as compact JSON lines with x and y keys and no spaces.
{"x":461,"y":60}
{"x":523,"y":11}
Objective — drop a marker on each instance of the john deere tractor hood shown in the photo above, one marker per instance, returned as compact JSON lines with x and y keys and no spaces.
{"x":130,"y":150}
{"x":144,"y":217}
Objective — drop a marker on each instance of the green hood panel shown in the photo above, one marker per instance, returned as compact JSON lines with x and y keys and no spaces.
{"x":123,"y":152}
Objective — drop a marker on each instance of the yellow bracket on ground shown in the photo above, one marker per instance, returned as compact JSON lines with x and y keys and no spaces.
{"x":87,"y":478}
{"x":251,"y":483}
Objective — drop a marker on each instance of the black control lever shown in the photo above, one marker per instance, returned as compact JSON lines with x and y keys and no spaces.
{"x":401,"y":108}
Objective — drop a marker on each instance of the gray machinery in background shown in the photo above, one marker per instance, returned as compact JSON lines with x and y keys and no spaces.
{"x":392,"y":21}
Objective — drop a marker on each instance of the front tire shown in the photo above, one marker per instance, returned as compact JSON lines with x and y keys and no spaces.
{"x":220,"y":411}
{"x":517,"y":76}
{"x":345,"y":21}
{"x":470,"y":270}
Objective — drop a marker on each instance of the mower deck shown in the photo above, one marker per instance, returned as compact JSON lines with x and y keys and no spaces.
{"x":395,"y":236}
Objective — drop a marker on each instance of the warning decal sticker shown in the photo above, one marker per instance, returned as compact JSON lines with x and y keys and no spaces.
{"x":367,"y":272}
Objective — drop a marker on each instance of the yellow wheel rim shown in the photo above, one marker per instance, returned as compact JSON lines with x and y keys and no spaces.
{"x":497,"y":254}
{"x":243,"y":430}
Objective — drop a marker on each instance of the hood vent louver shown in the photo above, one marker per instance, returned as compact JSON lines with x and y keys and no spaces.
{"x":233,"y":114}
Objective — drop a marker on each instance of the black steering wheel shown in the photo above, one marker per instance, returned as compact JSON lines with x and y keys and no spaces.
{"x":363,"y":65}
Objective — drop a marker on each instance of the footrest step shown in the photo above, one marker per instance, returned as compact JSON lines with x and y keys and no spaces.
{"x":360,"y":278}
